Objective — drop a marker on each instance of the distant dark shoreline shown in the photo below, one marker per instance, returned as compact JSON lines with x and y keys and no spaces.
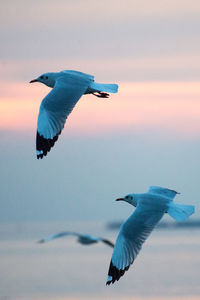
{"x":162,"y":225}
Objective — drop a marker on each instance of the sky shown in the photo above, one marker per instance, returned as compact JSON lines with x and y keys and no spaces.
{"x":147,"y":134}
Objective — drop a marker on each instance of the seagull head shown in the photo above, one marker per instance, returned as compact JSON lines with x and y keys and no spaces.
{"x":47,"y":78}
{"x":131,"y":199}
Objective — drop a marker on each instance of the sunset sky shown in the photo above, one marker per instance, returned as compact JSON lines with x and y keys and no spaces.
{"x":147,"y":134}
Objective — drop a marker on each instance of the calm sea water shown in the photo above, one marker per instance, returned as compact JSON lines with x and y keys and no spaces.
{"x":168,"y":266}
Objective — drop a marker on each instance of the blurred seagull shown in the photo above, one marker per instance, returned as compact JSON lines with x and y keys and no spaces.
{"x":68,"y":87}
{"x":150,"y":208}
{"x":83,"y":239}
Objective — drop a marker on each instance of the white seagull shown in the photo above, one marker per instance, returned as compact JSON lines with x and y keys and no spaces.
{"x":150,"y":208}
{"x":68,"y":87}
{"x":83,"y":239}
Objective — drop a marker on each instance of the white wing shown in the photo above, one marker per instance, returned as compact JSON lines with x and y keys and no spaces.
{"x":56,"y":107}
{"x":82,"y":238}
{"x":56,"y":236}
{"x":162,"y":191}
{"x":79,"y":74}
{"x":132,"y":235}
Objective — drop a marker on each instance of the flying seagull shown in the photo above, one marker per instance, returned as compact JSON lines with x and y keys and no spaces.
{"x":83,"y":239}
{"x":150,"y":208}
{"x":68,"y":87}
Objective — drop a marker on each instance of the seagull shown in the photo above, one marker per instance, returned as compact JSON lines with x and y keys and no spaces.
{"x":150,"y":208}
{"x":83,"y":239}
{"x":67,"y":88}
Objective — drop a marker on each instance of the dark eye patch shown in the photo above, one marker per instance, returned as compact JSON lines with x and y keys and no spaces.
{"x":41,"y":77}
{"x":46,"y":77}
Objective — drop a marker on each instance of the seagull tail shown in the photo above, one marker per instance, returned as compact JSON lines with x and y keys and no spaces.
{"x":180,"y":212}
{"x":104,"y":87}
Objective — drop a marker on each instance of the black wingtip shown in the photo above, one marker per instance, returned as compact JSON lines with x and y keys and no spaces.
{"x":44,"y":145}
{"x":107,"y":242}
{"x":114,"y":274}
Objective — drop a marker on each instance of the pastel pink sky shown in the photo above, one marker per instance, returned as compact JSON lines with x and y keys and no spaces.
{"x":151,"y":48}
{"x":170,"y":106}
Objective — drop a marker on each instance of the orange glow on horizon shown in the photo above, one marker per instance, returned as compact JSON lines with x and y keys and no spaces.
{"x":172,"y":106}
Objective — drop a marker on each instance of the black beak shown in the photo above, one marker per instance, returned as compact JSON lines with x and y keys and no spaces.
{"x":119,"y":199}
{"x":34,"y":80}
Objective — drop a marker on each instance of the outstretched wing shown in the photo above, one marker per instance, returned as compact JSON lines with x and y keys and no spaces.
{"x":162,"y":191}
{"x":132,"y":235}
{"x":56,"y":107}
{"x":56,"y":236}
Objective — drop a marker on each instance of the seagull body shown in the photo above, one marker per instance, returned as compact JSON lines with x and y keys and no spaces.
{"x":67,"y":88}
{"x":150,"y":208}
{"x":83,"y":239}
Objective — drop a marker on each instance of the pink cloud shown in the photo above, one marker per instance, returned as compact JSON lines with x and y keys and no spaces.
{"x":170,"y":107}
